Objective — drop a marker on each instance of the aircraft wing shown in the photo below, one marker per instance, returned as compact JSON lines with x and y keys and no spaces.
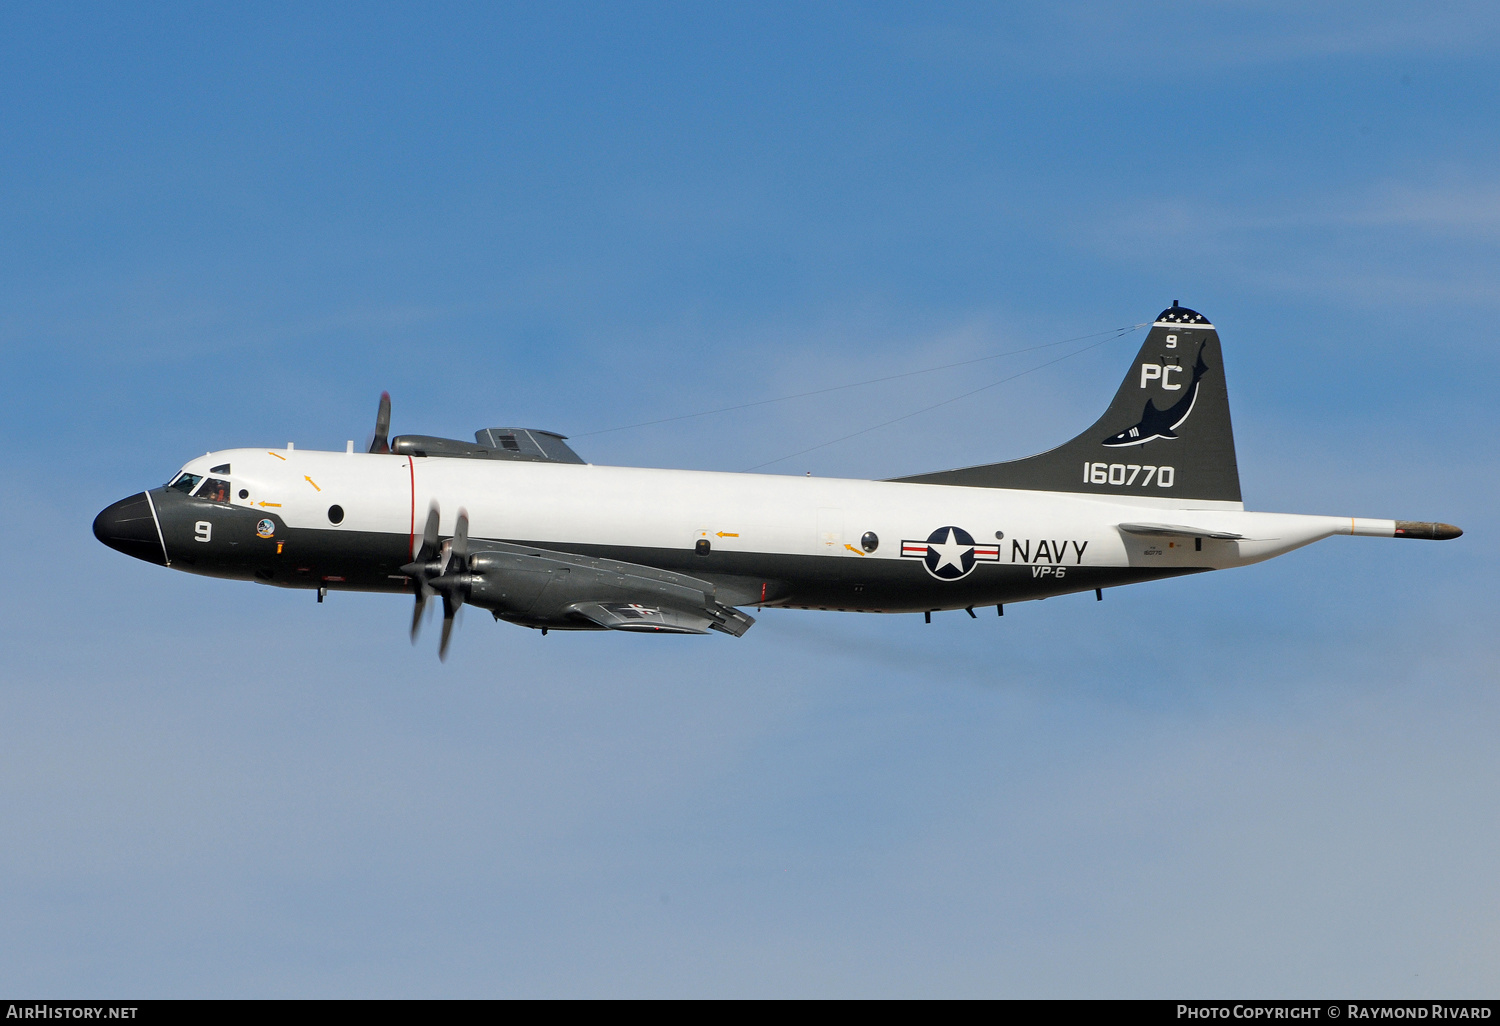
{"x":611,"y":593}
{"x":1177,"y":530}
{"x":663,"y":619}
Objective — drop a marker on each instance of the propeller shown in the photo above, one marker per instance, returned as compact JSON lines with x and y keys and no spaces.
{"x":381,"y":442}
{"x":419,"y":568}
{"x":441,"y":570}
{"x":454,"y":581}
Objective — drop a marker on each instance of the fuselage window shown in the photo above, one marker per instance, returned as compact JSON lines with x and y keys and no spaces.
{"x":214,"y":490}
{"x":222,"y":468}
{"x":185,"y":483}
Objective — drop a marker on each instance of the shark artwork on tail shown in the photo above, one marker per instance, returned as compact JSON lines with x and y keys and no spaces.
{"x":1156,"y":423}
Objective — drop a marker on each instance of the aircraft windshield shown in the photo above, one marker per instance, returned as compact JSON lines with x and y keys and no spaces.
{"x":214,"y":490}
{"x":185,"y":483}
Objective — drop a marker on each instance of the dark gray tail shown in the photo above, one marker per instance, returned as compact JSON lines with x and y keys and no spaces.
{"x":1166,"y":435}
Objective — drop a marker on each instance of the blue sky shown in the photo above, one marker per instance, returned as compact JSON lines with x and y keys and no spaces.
{"x":226,"y":228}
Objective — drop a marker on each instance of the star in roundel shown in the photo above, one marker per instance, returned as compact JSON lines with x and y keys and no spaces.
{"x":950,"y":553}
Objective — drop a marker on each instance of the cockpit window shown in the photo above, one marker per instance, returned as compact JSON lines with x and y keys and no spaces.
{"x":185,"y":483}
{"x":222,"y":468}
{"x":214,"y":490}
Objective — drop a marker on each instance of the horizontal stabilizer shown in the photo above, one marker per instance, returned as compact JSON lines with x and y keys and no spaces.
{"x":1178,"y":530}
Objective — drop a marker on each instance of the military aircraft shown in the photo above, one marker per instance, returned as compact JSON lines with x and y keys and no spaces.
{"x":517,"y":523}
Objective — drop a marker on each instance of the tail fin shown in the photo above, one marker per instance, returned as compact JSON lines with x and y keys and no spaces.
{"x":1166,"y":435}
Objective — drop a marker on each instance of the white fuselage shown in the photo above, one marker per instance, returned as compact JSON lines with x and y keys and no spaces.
{"x":566,"y":506}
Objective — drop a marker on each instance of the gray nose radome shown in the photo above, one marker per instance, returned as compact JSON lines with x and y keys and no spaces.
{"x":130,"y":527}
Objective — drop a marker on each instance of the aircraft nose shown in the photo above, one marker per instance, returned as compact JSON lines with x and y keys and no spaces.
{"x":129,"y":526}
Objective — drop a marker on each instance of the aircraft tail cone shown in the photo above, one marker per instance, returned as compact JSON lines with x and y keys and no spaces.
{"x":1424,"y":529}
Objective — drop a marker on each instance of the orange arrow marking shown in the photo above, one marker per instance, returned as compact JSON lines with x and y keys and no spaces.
{"x":852,"y":549}
{"x":276,"y":454}
{"x":264,"y":504}
{"x":311,"y":481}
{"x":727,"y":534}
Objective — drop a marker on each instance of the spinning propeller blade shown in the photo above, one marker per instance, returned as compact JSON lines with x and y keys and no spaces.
{"x":418,"y":610}
{"x":447,"y":577}
{"x":429,"y":535}
{"x":381,"y":441}
{"x":461,"y":539}
{"x":449,"y":609}
{"x":420,"y":568}
{"x":453,"y":583}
